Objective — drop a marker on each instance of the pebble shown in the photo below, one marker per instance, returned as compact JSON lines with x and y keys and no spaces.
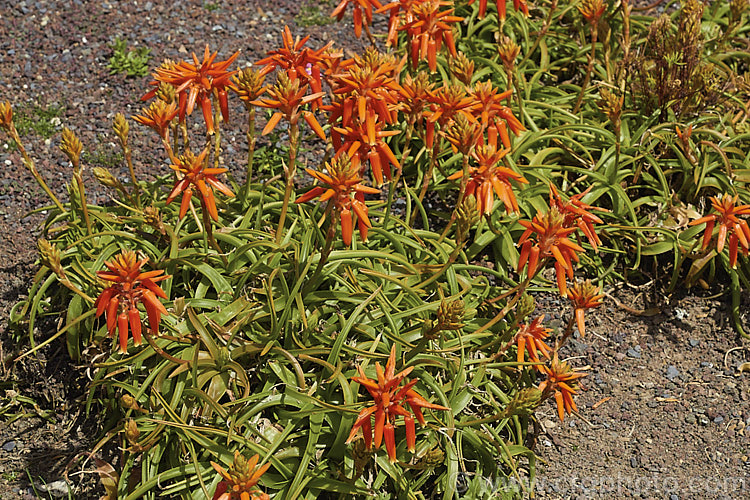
{"x":672,"y":372}
{"x":9,"y":446}
{"x":58,"y":489}
{"x":694,"y":342}
{"x":690,"y":419}
{"x":635,"y":352}
{"x":673,"y":497}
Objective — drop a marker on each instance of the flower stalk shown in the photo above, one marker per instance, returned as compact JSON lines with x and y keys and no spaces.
{"x":6,"y":124}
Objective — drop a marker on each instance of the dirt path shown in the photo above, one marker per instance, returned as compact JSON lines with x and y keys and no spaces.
{"x":665,"y":407}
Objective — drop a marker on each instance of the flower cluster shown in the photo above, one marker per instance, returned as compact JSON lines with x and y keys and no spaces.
{"x":389,"y":397}
{"x":345,"y":192}
{"x":584,"y":295}
{"x":547,"y":236}
{"x":197,"y":176}
{"x":562,"y":382}
{"x":732,"y":228}
{"x":239,"y":481}
{"x":196,"y":82}
{"x":130,"y":287}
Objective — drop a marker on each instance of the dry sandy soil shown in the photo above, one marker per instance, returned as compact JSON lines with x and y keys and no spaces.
{"x":663,"y":413}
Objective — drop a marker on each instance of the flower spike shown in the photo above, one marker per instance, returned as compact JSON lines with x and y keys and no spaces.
{"x":584,"y":295}
{"x":731,"y":226}
{"x":389,"y":398}
{"x":239,"y":481}
{"x":130,"y":287}
{"x":562,"y":382}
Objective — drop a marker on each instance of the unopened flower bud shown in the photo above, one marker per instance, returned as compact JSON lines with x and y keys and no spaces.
{"x":131,"y":432}
{"x":508,"y":50}
{"x":167,"y":93}
{"x":50,"y":257}
{"x":611,"y":105}
{"x":152,"y":217}
{"x":248,"y":84}
{"x":451,"y":315}
{"x":592,"y":10}
{"x":432,"y":458}
{"x":129,"y":402}
{"x":106,"y":178}
{"x":71,"y":146}
{"x":6,"y":116}
{"x":525,"y":307}
{"x":524,"y":402}
{"x":468,"y":215}
{"x":462,"y":68}
{"x":121,"y":128}
{"x":463,"y":134}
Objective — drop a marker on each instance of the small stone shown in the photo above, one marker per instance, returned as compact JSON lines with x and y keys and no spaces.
{"x":58,"y":489}
{"x":672,"y":372}
{"x":9,"y":446}
{"x":694,"y":342}
{"x":673,"y":497}
{"x":690,"y":419}
{"x":619,"y":356}
{"x":634,"y":352}
{"x":718,"y":419}
{"x":634,"y":462}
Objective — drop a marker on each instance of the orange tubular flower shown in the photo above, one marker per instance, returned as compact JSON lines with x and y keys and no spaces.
{"x":298,"y":61}
{"x":730,"y":225}
{"x":288,"y":97}
{"x":360,"y":7}
{"x":158,"y":116}
{"x":546,"y":236}
{"x":531,"y":339}
{"x":368,"y":90}
{"x":501,"y":9}
{"x":562,"y":381}
{"x":195,"y":83}
{"x":399,"y":11}
{"x":488,"y":108}
{"x":577,"y":214}
{"x":490,"y":178}
{"x":389,"y":399}
{"x":363,"y":142}
{"x":130,"y":287}
{"x":196,"y":175}
{"x":239,"y":482}
{"x":584,"y":295}
{"x":344,"y":189}
{"x":429,"y":30}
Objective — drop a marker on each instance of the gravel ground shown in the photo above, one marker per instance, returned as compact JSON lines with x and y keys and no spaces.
{"x":662,"y":415}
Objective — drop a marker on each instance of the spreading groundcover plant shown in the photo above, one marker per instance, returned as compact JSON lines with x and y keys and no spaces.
{"x":367,"y":328}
